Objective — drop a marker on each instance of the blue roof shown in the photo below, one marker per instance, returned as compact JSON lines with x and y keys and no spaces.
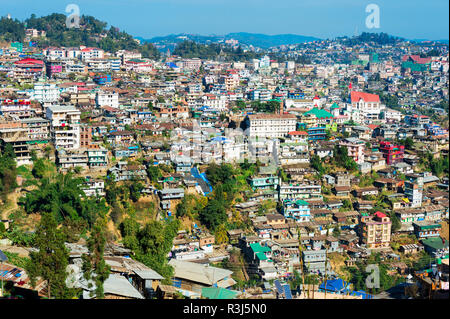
{"x":219,"y":139}
{"x":334,"y":285}
{"x":361,"y":293}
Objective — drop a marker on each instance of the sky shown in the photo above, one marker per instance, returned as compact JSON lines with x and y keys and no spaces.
{"x":410,"y":19}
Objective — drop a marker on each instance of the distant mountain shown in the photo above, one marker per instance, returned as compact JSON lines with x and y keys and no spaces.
{"x":428,"y":40}
{"x":262,"y":41}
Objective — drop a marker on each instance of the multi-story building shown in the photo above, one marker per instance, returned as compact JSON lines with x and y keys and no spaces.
{"x":375,"y":230}
{"x":271,"y":125}
{"x":91,"y":53}
{"x":414,"y":189}
{"x":85,"y":136}
{"x":72,"y":158}
{"x":300,"y":191}
{"x":18,"y":108}
{"x":425,"y":229}
{"x":107,"y":98}
{"x":97,"y":156}
{"x":317,"y":133}
{"x":64,"y":126}
{"x":355,"y":148}
{"x":392,"y":153}
{"x":297,"y":209}
{"x":38,"y":129}
{"x":45,"y":92}
{"x":365,"y":106}
{"x":94,"y":187}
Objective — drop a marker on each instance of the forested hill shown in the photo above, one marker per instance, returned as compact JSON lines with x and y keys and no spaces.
{"x":92,"y":33}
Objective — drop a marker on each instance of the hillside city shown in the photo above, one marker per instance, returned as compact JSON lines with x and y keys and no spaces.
{"x":222,"y":170}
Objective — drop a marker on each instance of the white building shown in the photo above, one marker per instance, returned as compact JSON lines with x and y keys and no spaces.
{"x":45,"y":92}
{"x":107,"y":98}
{"x":271,"y":125}
{"x":64,"y":126}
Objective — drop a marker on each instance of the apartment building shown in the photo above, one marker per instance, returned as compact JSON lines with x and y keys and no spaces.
{"x":271,"y":125}
{"x":375,"y":230}
{"x":414,"y":189}
{"x":64,"y":126}
{"x":391,"y":152}
{"x":355,"y":148}
{"x":45,"y":92}
{"x":300,"y":191}
{"x":107,"y":98}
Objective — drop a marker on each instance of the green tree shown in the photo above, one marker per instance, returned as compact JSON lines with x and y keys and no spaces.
{"x":51,"y":259}
{"x":94,"y":265}
{"x":8,"y":171}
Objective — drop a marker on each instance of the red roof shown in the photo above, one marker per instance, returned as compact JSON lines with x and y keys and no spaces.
{"x":367,"y":97}
{"x":380,"y":214}
{"x":29,"y":61}
{"x":416,"y":58}
{"x":372,"y":126}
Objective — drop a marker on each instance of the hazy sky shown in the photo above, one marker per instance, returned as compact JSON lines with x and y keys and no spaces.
{"x":411,"y":19}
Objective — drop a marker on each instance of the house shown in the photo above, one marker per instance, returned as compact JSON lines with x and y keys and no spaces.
{"x":366,"y":191}
{"x":171,"y":193}
{"x":425,"y":229}
{"x":190,"y":277}
{"x":297,"y":209}
{"x":342,"y":191}
{"x":118,"y":287}
{"x":94,"y":187}
{"x":410,"y":249}
{"x":436,"y":246}
{"x":123,"y":172}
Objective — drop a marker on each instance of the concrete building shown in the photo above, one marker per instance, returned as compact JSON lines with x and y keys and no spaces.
{"x":375,"y":230}
{"x":271,"y":125}
{"x":64,"y":126}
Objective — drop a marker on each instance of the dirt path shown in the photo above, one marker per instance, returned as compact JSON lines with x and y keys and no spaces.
{"x":11,"y":204}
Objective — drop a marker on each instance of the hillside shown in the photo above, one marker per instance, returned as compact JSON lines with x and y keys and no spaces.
{"x":262,"y":41}
{"x":91,"y":33}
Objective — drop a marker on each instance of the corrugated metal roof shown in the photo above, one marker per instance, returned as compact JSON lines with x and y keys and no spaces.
{"x":119,"y":285}
{"x":197,"y":272}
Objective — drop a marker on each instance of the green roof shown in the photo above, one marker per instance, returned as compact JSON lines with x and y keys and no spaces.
{"x":335,"y":106}
{"x":218,"y":293}
{"x":261,"y":256}
{"x":319,"y":113}
{"x":257,"y":248}
{"x":435,"y":243}
{"x":301,"y":202}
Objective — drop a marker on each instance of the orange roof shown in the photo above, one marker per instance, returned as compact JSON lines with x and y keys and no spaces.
{"x":298,"y":133}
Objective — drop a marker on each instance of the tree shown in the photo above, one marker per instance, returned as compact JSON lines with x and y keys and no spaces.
{"x":94,"y":265}
{"x":8,"y":172}
{"x":316,"y":163}
{"x":135,"y":190}
{"x":155,"y":241}
{"x":213,"y":214}
{"x":51,"y":259}
{"x":221,"y":234}
{"x":154,"y":173}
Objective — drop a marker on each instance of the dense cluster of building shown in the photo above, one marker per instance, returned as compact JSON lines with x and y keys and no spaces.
{"x":97,"y":110}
